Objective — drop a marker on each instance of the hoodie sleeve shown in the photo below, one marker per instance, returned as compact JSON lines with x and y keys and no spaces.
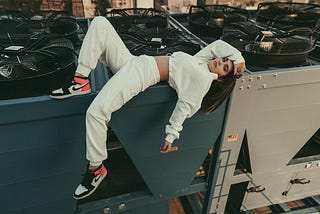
{"x":220,"y":49}
{"x":182,"y":111}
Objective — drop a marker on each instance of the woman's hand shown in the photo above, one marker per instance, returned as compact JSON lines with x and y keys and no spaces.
{"x":166,"y":146}
{"x":239,"y":68}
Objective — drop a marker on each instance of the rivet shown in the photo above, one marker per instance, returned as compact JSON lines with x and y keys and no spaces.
{"x":250,"y":79}
{"x":264,"y":86}
{"x":243,"y":80}
{"x":248,"y":87}
{"x":308,"y":165}
{"x":241,"y":88}
{"x":106,"y":210}
{"x":275,"y":75}
{"x":121,"y":206}
{"x":259,"y":77}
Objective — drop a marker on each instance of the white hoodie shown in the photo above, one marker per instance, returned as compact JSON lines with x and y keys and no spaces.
{"x":191,"y":78}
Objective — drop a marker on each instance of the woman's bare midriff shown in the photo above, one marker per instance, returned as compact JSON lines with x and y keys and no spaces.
{"x":163,"y":66}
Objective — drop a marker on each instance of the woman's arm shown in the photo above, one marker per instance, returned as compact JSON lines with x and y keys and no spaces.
{"x":182,"y":111}
{"x":220,"y":49}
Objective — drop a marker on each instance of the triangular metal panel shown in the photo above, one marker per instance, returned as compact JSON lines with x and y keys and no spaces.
{"x":243,"y":164}
{"x":140,"y":126}
{"x":309,"y":151}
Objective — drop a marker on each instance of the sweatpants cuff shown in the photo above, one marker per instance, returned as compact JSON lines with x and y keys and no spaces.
{"x":83,"y":70}
{"x":95,"y":163}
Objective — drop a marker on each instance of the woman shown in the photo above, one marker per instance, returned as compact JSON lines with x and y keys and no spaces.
{"x":204,"y":80}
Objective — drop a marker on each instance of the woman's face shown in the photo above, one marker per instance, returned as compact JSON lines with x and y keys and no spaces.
{"x":220,"y":66}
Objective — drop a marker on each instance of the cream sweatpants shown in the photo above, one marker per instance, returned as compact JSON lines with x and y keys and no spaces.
{"x":132,"y":74}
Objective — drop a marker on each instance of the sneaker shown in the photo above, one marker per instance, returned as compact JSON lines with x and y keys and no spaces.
{"x":78,"y":86}
{"x":90,"y":182}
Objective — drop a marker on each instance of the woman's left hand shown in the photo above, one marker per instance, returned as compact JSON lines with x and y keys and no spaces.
{"x":166,"y":146}
{"x":239,"y":68}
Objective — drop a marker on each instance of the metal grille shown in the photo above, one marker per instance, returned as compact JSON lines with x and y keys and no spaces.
{"x":124,"y":19}
{"x":261,"y":45}
{"x":42,"y":22}
{"x":288,"y":14}
{"x":147,"y":31}
{"x":209,"y":20}
{"x":34,"y":64}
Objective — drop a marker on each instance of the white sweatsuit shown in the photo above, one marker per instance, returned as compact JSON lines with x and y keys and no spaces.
{"x":188,"y":75}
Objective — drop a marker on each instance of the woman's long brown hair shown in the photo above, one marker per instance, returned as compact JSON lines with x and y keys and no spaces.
{"x":218,"y":92}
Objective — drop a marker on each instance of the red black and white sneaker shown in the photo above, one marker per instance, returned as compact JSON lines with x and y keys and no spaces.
{"x":90,"y":182}
{"x":79,"y":86}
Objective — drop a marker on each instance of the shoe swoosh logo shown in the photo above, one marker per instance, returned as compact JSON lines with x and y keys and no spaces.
{"x":77,"y":88}
{"x":97,"y":178}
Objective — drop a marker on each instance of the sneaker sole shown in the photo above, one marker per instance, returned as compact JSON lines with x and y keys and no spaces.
{"x":70,"y":95}
{"x":93,"y":190}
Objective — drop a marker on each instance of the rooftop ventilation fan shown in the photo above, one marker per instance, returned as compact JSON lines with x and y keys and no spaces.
{"x":160,"y":42}
{"x":42,"y":22}
{"x":147,"y":31}
{"x":261,"y":46}
{"x":124,"y":19}
{"x":288,"y":14}
{"x":209,"y":20}
{"x":34,"y":65}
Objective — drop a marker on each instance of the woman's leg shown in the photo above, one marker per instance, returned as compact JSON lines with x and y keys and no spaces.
{"x":103,"y":43}
{"x":132,"y":75}
{"x":136,"y":76}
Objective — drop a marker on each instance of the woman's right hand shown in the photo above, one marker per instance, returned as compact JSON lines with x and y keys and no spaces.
{"x":239,"y":68}
{"x":166,"y":147}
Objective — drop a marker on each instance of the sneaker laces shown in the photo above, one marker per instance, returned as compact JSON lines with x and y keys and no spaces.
{"x":76,"y":81}
{"x":80,"y":80}
{"x":88,"y":176}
